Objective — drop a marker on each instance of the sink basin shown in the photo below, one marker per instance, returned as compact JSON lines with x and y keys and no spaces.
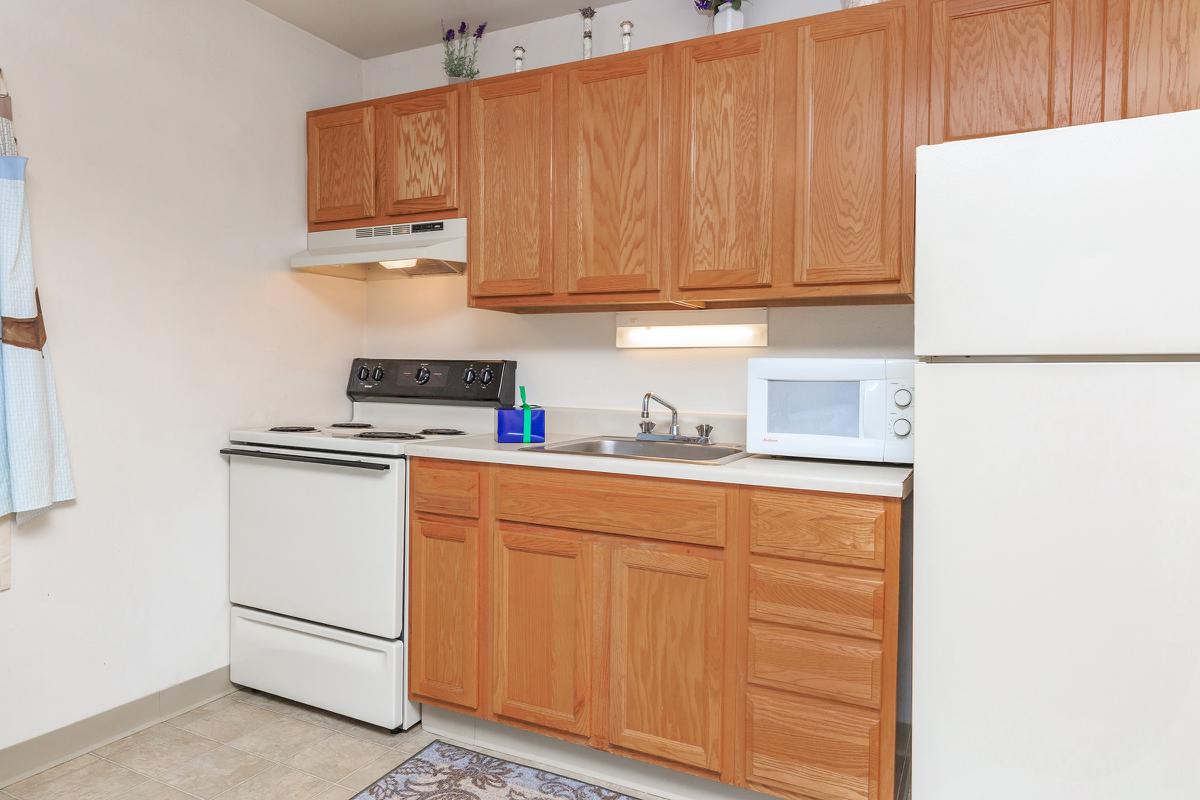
{"x":629,"y":447}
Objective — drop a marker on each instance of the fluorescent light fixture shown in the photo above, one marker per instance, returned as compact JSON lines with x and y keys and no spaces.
{"x":404,"y":263}
{"x":671,"y":329}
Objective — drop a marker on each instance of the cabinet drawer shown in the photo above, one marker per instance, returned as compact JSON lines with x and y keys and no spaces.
{"x":816,"y":749}
{"x":676,"y":511}
{"x":441,"y":487}
{"x":816,"y":664}
{"x":816,"y":597}
{"x":840,"y":530}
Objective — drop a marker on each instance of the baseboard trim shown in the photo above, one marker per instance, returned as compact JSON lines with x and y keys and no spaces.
{"x":577,"y":761}
{"x":50,"y":749}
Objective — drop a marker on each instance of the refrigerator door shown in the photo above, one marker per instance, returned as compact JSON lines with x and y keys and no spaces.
{"x":1057,"y":597}
{"x":1075,"y":241}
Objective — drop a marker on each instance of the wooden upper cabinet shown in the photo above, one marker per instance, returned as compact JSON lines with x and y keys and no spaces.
{"x":543,"y":628}
{"x":1153,"y":57}
{"x":610,"y":175}
{"x":1001,"y":66}
{"x":341,"y":165}
{"x":512,"y":171}
{"x":444,"y":659}
{"x":418,"y":157}
{"x":667,"y":653}
{"x":852,"y":137}
{"x":724,"y":160}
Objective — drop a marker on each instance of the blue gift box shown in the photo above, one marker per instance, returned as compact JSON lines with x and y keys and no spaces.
{"x":521,"y":425}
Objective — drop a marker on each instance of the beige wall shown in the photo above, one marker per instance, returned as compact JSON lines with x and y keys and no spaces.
{"x":166,"y":176}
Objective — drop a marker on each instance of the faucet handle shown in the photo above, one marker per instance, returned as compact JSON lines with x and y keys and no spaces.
{"x":646,"y":425}
{"x":704,"y":431}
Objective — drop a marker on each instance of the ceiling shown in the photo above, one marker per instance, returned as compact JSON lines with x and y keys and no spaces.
{"x":369,"y":28}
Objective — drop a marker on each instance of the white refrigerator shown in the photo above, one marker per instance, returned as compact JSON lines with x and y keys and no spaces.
{"x":1056,"y":562}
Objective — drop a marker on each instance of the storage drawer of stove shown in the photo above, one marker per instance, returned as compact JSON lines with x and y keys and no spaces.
{"x":350,"y":674}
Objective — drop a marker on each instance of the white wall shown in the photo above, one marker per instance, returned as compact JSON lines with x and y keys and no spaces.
{"x":571,"y":360}
{"x":166,"y":146}
{"x":559,"y":40}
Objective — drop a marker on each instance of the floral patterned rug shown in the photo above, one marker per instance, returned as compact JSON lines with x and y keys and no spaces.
{"x":445,"y":772}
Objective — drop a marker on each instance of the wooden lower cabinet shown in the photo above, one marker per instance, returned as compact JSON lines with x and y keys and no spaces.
{"x":722,"y":646}
{"x":543,"y":601}
{"x":667,"y":648}
{"x":444,"y":660}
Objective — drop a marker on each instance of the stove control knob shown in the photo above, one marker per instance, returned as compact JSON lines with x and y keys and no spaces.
{"x":903,"y":398}
{"x":469,"y":376}
{"x":486,"y":376}
{"x":423,"y":375}
{"x":363,"y":373}
{"x":902,"y":427}
{"x":377,"y":374}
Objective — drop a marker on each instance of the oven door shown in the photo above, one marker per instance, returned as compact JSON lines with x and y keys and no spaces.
{"x":817,"y":408}
{"x":318,"y":536}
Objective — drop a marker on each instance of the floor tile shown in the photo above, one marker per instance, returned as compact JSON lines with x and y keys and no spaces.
{"x":278,"y":783}
{"x":281,"y":739}
{"x":83,"y":778}
{"x":225,"y":719}
{"x":364,"y":776}
{"x":413,"y":739}
{"x":208,"y":775}
{"x":337,"y":793}
{"x":157,"y":750}
{"x":336,"y":757}
{"x":262,"y":700}
{"x":153,"y":790}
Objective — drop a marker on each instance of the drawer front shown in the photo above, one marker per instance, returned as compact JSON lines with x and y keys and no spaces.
{"x":816,"y":664}
{"x":839,"y":530}
{"x":441,"y":487}
{"x":675,"y":511}
{"x":815,"y":749}
{"x":816,"y":597}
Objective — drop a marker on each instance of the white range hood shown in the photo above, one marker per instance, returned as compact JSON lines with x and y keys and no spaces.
{"x":381,"y":252}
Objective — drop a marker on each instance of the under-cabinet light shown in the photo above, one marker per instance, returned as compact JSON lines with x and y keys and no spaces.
{"x":671,"y":329}
{"x":404,"y":263}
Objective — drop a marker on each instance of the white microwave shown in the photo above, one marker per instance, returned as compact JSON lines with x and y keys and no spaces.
{"x":856,"y":409}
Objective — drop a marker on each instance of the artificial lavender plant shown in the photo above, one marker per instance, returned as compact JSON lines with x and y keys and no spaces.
{"x":461,"y":51}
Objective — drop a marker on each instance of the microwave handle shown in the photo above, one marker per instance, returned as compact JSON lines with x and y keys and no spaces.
{"x":334,"y":462}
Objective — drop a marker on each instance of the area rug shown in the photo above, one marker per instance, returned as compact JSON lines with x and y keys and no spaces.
{"x":446,"y":772}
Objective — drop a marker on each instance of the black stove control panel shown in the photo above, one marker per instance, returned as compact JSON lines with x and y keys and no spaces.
{"x":389,"y":380}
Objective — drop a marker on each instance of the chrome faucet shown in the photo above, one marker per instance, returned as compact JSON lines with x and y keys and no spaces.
{"x":646,"y":412}
{"x":647,"y":425}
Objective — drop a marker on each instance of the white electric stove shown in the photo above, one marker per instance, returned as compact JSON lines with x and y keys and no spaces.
{"x":318,"y":539}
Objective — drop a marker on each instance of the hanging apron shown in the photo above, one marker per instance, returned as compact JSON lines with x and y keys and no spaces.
{"x":34,"y":469}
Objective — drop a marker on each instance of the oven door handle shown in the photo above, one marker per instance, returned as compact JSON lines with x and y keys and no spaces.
{"x":333,"y":462}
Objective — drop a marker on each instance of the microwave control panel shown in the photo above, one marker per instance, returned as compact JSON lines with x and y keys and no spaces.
{"x":901,"y":401}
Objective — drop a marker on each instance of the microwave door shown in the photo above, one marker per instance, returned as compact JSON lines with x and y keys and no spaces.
{"x":843,"y":419}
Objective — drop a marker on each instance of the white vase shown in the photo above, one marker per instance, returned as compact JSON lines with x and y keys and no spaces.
{"x":728,"y":19}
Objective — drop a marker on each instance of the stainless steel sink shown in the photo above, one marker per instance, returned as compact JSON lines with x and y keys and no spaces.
{"x":629,"y":447}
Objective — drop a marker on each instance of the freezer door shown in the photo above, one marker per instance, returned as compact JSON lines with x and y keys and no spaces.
{"x":1074,"y":241}
{"x":1056,"y":597}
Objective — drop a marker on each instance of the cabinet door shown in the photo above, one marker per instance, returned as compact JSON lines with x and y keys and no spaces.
{"x":444,"y":636}
{"x":999,"y":66}
{"x":610,"y":176}
{"x":511,"y":233}
{"x":724,"y":158}
{"x":543,"y":630}
{"x":1153,"y":58}
{"x":341,"y":165}
{"x":667,"y":649}
{"x":852,"y":68}
{"x":419,"y":154}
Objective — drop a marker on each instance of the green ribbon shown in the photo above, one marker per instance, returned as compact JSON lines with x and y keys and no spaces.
{"x":527,"y":419}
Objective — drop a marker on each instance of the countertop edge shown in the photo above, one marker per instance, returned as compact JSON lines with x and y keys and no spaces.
{"x":740,"y":472}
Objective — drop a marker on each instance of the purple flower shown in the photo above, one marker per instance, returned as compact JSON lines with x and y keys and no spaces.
{"x":479,"y":31}
{"x":703,"y":5}
{"x":462,"y":28}
{"x":449,"y":37}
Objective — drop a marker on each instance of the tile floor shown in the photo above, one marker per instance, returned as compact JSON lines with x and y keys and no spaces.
{"x":252,"y":746}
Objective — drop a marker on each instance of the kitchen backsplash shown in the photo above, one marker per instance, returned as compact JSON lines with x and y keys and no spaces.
{"x":570,"y":359}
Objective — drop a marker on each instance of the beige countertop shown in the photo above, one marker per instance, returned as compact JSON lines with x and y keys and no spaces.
{"x":882,"y":480}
